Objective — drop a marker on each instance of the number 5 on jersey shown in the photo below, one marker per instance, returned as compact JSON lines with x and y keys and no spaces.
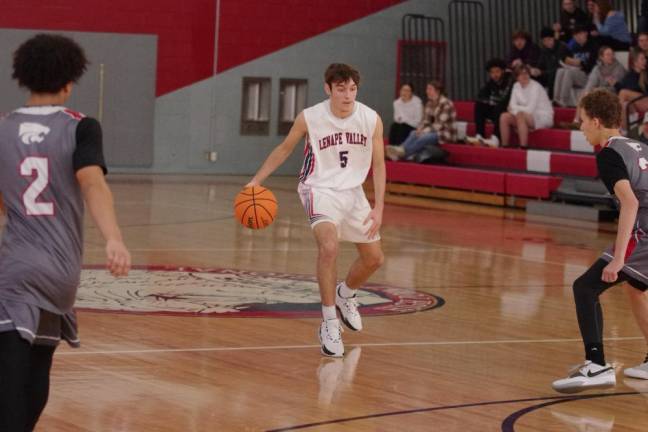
{"x":40,"y":166}
{"x":344,"y":158}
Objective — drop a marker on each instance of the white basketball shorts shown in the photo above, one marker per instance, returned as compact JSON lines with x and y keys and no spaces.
{"x":347,"y":209}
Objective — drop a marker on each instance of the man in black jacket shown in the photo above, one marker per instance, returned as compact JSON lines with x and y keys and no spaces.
{"x":552,"y":52}
{"x":492,"y":100}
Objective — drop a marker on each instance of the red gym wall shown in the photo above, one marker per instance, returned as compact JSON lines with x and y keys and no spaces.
{"x":186,"y":30}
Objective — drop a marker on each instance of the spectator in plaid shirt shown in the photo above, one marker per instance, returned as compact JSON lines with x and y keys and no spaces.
{"x":438,"y":125}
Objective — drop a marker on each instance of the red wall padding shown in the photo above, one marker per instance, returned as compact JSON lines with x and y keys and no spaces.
{"x":187,"y":29}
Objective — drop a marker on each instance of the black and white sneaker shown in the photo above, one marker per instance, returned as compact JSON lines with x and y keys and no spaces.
{"x":330,"y":337}
{"x":586,"y":377}
{"x":348,"y":308}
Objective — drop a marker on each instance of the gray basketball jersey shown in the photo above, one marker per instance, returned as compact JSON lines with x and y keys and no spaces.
{"x":635,"y":158}
{"x":40,"y":252}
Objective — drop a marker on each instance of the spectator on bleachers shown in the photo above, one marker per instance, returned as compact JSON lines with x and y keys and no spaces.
{"x":642,"y":42}
{"x":607,"y":72}
{"x":523,"y":50}
{"x":611,"y":27}
{"x":571,"y":16}
{"x":643,"y":135}
{"x":438,"y":125}
{"x":552,"y":52}
{"x":635,"y":79}
{"x":634,"y":84}
{"x":529,"y":108}
{"x":492,"y":100}
{"x":408,"y":113}
{"x":580,"y":61}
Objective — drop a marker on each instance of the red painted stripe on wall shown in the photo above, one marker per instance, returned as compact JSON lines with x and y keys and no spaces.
{"x":185,"y":29}
{"x":252,"y":28}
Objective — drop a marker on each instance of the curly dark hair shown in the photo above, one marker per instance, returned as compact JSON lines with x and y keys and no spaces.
{"x":495,"y":63}
{"x":603,"y":105}
{"x":340,"y":72}
{"x":46,"y":63}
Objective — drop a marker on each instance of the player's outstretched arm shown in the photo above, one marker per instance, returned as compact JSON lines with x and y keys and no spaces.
{"x":627,"y":216}
{"x":281,"y":152}
{"x":379,"y":179}
{"x":99,"y":200}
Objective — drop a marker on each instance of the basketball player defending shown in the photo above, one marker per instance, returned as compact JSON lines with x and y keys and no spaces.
{"x":623,"y":167}
{"x":51,"y":161}
{"x":344,"y":139}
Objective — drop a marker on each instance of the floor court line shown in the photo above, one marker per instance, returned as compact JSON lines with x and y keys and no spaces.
{"x":507,"y":425}
{"x":368,"y":345}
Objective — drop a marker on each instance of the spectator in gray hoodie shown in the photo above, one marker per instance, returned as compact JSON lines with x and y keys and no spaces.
{"x":607,"y":72}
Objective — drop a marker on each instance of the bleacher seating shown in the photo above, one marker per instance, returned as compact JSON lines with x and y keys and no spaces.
{"x":500,"y":176}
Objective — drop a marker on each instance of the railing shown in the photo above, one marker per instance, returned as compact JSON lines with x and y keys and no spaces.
{"x":634,"y":127}
{"x":421,"y":52}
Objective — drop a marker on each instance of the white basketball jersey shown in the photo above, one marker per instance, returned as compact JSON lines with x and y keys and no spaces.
{"x":338,"y":150}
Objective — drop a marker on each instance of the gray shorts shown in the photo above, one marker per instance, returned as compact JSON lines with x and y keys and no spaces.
{"x":38,"y":326}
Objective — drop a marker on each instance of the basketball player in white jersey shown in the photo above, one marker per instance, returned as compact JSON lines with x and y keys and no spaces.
{"x":344,"y":139}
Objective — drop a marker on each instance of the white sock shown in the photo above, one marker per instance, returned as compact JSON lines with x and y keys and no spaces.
{"x":328,"y":312}
{"x":345,"y":291}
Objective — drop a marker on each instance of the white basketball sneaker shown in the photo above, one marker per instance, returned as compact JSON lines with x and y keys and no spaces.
{"x":330,"y":336}
{"x":640,"y":371}
{"x":586,"y":377}
{"x":348,"y":308}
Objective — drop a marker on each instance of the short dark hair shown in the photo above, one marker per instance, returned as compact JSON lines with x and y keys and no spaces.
{"x":603,"y":105}
{"x":495,"y":63}
{"x":46,"y":63}
{"x":341,"y":73}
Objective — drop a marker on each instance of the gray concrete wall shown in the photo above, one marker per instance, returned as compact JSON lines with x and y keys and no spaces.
{"x":206,"y":116}
{"x":129,"y":90}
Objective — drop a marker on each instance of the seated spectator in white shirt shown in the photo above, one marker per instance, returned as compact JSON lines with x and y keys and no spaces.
{"x":529,"y":108}
{"x":408,"y":113}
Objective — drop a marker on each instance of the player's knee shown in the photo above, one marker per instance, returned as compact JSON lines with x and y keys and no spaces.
{"x":375,"y":260}
{"x":328,"y":250}
{"x":582,"y":288}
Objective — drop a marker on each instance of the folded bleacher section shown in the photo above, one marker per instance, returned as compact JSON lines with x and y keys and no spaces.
{"x":555,"y":176}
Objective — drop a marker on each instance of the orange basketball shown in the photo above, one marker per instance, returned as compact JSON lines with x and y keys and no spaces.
{"x":255,"y":207}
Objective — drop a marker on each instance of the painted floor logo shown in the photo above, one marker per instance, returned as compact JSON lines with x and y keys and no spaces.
{"x":230,"y":293}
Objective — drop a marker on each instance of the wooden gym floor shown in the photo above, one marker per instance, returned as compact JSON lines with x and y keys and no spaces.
{"x":482,"y":360}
